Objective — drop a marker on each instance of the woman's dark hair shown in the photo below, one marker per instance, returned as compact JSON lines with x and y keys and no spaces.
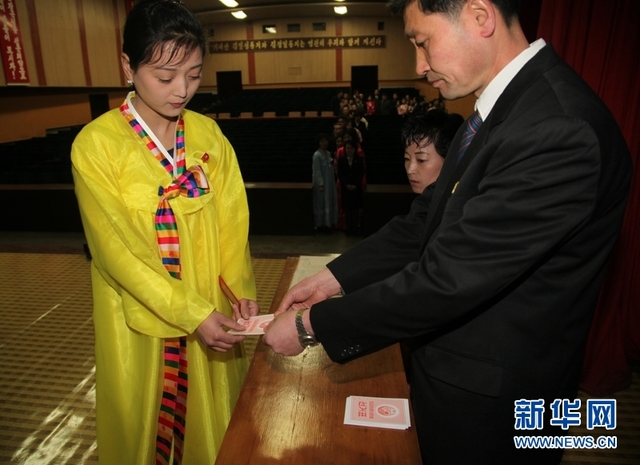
{"x":435,"y":126}
{"x":154,"y":23}
{"x":353,"y":143}
{"x":321,"y":137}
{"x":354,"y":136}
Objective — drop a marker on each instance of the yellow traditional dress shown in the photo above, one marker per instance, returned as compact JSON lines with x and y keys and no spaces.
{"x":137,"y":303}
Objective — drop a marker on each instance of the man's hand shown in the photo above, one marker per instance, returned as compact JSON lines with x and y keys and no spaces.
{"x":245,"y":309}
{"x":309,"y":291}
{"x":282,"y":336}
{"x":212,"y":334}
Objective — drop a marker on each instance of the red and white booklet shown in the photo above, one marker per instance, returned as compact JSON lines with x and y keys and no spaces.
{"x":379,"y":412}
{"x":255,"y":325}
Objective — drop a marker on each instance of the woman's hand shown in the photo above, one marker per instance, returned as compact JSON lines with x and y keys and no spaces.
{"x":211,"y":332}
{"x":245,"y":308}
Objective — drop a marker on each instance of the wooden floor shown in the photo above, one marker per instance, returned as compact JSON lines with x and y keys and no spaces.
{"x":47,"y":383}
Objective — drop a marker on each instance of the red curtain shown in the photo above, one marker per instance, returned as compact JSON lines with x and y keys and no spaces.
{"x":600,"y":39}
{"x":128,"y":4}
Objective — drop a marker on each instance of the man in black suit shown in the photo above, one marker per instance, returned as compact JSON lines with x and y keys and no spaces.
{"x":385,"y":105}
{"x":500,"y":273}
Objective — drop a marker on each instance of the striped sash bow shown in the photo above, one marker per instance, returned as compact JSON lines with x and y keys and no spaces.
{"x":190,"y":182}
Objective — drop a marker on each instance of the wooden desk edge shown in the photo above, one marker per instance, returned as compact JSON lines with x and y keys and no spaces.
{"x":283,"y":286}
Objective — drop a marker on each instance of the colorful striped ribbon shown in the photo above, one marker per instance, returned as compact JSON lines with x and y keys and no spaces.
{"x":190,"y":182}
{"x":173,"y":406}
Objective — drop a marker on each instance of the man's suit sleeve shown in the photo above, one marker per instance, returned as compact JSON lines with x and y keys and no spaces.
{"x":387,"y":251}
{"x":516,"y":204}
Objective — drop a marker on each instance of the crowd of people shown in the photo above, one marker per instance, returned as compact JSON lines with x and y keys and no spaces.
{"x":340,"y":207}
{"x":338,"y":193}
{"x":379,"y":102}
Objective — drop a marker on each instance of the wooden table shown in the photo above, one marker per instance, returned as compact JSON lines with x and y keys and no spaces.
{"x":291,"y":409}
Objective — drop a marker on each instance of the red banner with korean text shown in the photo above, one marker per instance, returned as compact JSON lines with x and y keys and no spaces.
{"x":15,"y":65}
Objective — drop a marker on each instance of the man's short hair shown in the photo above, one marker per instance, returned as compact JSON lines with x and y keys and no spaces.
{"x":509,"y":9}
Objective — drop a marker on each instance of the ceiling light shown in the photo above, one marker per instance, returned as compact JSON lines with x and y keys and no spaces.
{"x":270,"y":29}
{"x":239,"y":14}
{"x":341,"y":10}
{"x":229,"y":3}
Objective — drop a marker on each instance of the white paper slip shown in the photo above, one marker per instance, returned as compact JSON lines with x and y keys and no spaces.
{"x":378,"y":412}
{"x":255,"y":325}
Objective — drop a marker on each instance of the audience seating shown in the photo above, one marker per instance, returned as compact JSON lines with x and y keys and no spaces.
{"x":280,"y":149}
{"x":268,"y":150}
{"x":257,"y":101}
{"x":271,"y":148}
{"x":40,"y":160}
{"x":280,"y":101}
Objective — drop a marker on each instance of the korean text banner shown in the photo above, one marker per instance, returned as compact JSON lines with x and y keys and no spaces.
{"x":308,"y":43}
{"x":15,"y":66}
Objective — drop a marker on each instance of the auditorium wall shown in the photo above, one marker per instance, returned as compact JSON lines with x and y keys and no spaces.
{"x":395,"y":61}
{"x":72,"y":48}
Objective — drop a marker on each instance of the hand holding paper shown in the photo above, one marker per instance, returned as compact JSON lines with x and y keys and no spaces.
{"x":254,"y":325}
{"x":242,"y":308}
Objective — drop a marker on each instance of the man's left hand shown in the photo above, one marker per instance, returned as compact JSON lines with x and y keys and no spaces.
{"x":282,"y":336}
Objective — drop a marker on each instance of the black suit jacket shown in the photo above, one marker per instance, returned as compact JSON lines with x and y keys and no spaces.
{"x":351,"y":175}
{"x":500,"y":272}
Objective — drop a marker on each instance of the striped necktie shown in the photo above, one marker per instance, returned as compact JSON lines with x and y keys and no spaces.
{"x":473,"y":124}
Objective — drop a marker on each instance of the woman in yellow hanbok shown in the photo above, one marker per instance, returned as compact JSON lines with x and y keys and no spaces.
{"x":140,"y":172}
